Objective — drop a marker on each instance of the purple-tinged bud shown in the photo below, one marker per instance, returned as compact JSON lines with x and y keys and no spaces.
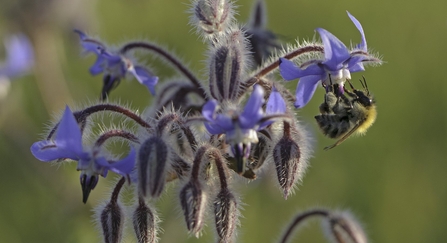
{"x":226,"y":215}
{"x":286,"y":155}
{"x":212,"y":16}
{"x":290,"y":155}
{"x":193,"y":201}
{"x":152,"y":167}
{"x":144,"y":223}
{"x":112,"y":222}
{"x":342,"y":227}
{"x":227,"y":64}
{"x":88,"y":183}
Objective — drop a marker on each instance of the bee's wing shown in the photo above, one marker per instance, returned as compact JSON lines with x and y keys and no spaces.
{"x":341,"y":140}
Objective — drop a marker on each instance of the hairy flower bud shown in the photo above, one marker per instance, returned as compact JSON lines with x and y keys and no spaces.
{"x":227,"y":64}
{"x":152,"y":167}
{"x":193,"y":201}
{"x":212,"y":16}
{"x":144,"y":224}
{"x":112,"y":222}
{"x":226,"y":213}
{"x":290,"y":155}
{"x":342,"y":227}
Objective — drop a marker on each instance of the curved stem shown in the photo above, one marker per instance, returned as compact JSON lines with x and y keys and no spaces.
{"x":117,"y":189}
{"x":81,"y":116}
{"x":221,"y":168}
{"x":174,"y":61}
{"x":196,"y":164}
{"x":115,"y":133}
{"x":299,"y":219}
{"x":274,"y":65}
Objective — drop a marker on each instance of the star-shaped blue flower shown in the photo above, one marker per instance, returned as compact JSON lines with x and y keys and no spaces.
{"x":19,"y":56}
{"x":240,"y":127}
{"x":115,"y":66}
{"x":338,"y":64}
{"x":67,"y":144}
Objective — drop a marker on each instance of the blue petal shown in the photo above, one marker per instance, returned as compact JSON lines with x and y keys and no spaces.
{"x":123,"y":166}
{"x":357,"y":24}
{"x":253,"y":109}
{"x":48,"y":151}
{"x":275,"y":103}
{"x":289,"y":70}
{"x":357,"y":67}
{"x":20,"y":56}
{"x":225,"y":122}
{"x":68,"y":136}
{"x":214,"y":129}
{"x":90,"y":45}
{"x":305,"y":90}
{"x":145,"y":77}
{"x":209,"y":109}
{"x":335,"y":52}
{"x":98,"y":66}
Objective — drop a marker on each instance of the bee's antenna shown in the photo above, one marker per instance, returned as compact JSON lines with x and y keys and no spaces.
{"x":364,"y":84}
{"x":350,"y":84}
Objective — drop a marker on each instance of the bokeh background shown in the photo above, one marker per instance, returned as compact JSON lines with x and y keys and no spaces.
{"x":394,"y":179}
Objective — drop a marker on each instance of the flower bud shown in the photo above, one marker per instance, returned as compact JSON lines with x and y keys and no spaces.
{"x":290,"y":155}
{"x":152,"y":166}
{"x":144,"y":224}
{"x":226,"y":213}
{"x":112,"y":222}
{"x":212,"y":16}
{"x":342,"y":227}
{"x":227,"y":64}
{"x":193,"y":201}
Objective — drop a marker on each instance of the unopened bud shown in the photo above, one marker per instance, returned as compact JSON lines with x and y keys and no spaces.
{"x":193,"y":200}
{"x":227,"y":64}
{"x":212,"y":16}
{"x":287,"y":155}
{"x":342,"y":227}
{"x":112,"y":222}
{"x":262,"y":41}
{"x":152,"y":166}
{"x":144,"y":224}
{"x":226,"y":215}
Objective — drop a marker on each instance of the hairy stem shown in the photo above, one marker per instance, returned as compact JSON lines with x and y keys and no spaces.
{"x":299,"y":219}
{"x":173,"y":60}
{"x":81,"y":116}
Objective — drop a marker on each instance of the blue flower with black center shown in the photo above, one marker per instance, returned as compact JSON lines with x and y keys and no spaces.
{"x":67,"y":144}
{"x":240,"y":127}
{"x":115,"y":66}
{"x":336,"y":67}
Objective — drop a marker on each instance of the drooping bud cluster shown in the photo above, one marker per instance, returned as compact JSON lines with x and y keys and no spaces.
{"x":209,"y":133}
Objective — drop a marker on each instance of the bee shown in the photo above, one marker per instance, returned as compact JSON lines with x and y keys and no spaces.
{"x":342,"y":116}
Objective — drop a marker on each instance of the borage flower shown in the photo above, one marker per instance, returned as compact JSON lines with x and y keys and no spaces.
{"x":240,"y":127}
{"x":19,"y":60}
{"x":67,"y":144}
{"x":337,"y":66}
{"x":115,"y":66}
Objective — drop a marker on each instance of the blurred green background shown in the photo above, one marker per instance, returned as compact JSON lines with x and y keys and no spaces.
{"x":393,"y":179}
